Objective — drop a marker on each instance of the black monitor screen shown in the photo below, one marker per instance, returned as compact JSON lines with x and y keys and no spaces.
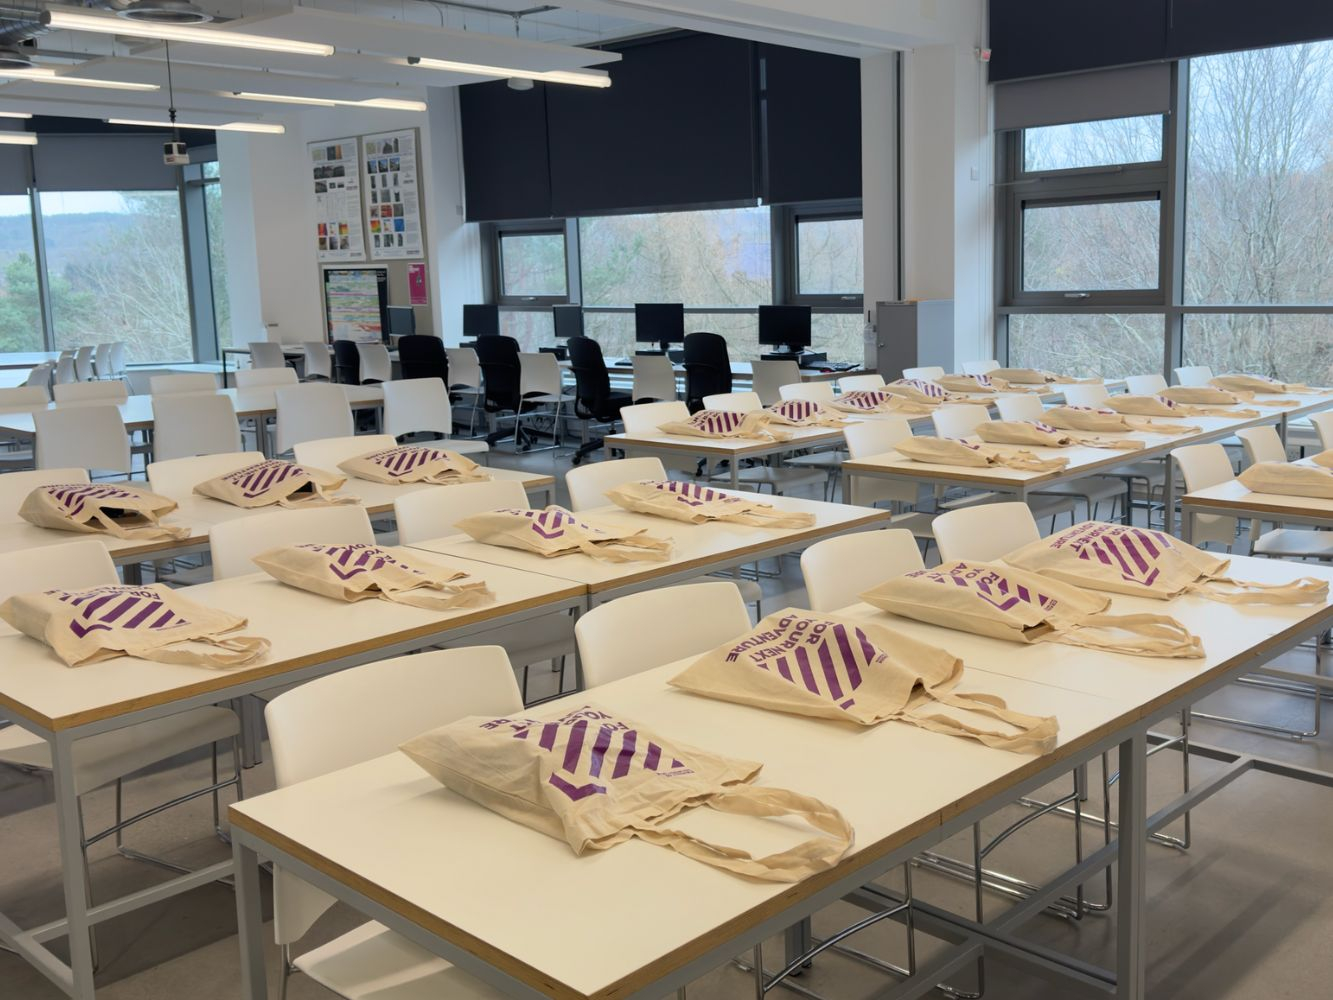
{"x":785,"y":326}
{"x":481,"y":321}
{"x":568,"y":321}
{"x":659,"y":323}
{"x":402,"y":321}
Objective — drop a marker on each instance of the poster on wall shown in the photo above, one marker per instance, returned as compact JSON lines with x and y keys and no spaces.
{"x":355,"y":302}
{"x":335,"y":169}
{"x":393,"y":196}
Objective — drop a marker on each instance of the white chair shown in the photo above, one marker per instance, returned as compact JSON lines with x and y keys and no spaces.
{"x":874,"y":437}
{"x":1144,"y":385}
{"x":734,"y":402}
{"x":102,"y":361}
{"x":91,"y":393}
{"x":540,"y":383}
{"x":310,"y":412}
{"x":959,"y":420}
{"x":329,"y":453}
{"x":84,"y":365}
{"x":1019,"y":407}
{"x":23,"y":397}
{"x":318,"y":361}
{"x":815,"y":392}
{"x":426,"y":514}
{"x":984,"y":533}
{"x":234,"y":544}
{"x":65,"y":373}
{"x":15,"y":487}
{"x":1323,"y":428}
{"x":376,"y":365}
{"x":41,"y":377}
{"x":640,"y":631}
{"x":928,"y":372}
{"x":1201,"y":466}
{"x":260,"y":378}
{"x":177,"y":477}
{"x":645,"y":418}
{"x":980,"y":367}
{"x":420,"y":405}
{"x":654,"y":379}
{"x":192,"y":423}
{"x":323,"y":726}
{"x":118,"y":359}
{"x":1262,"y":444}
{"x":465,"y":378}
{"x":838,"y":570}
{"x":770,"y":376}
{"x":860,"y":383}
{"x":86,"y":437}
{"x":266,"y":354}
{"x":163,"y":385}
{"x":1085,"y":395}
{"x":1194,"y":375}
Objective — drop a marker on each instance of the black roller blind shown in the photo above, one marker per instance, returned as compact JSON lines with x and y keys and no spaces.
{"x":1198,"y":27}
{"x":506,"y":169}
{"x":812,"y":125}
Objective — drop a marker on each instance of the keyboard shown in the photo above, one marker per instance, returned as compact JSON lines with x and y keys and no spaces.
{"x":618,"y":362}
{"x":833,"y":366}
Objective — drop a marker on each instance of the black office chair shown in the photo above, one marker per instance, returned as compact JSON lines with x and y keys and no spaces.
{"x":421,"y":356}
{"x":346,"y":362}
{"x":707,"y":368}
{"x":594,"y":400}
{"x":498,"y":357}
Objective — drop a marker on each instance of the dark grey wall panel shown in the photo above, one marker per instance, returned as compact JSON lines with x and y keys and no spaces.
{"x":506,"y":169}
{"x":812,"y":108}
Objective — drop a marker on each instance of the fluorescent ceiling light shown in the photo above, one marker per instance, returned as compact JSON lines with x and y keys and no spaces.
{"x":45,"y":74}
{"x":576,"y":77}
{"x":260,"y":128}
{"x":14,"y":114}
{"x":112,"y":25}
{"x":17,"y":139}
{"x":384,"y":103}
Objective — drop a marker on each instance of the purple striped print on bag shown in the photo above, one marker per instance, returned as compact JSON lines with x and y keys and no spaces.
{"x":797,"y":410}
{"x":347,"y":561}
{"x":691,"y":494}
{"x":866,"y":399}
{"x":989,"y":585}
{"x":717,"y":421}
{"x":256,"y":480}
{"x":826,"y":658}
{"x":921,"y":385}
{"x":1132,"y":551}
{"x":402,"y":460}
{"x":73,"y":497}
{"x":550,"y":524}
{"x":104,"y":608}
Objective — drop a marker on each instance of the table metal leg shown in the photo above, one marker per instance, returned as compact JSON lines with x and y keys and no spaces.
{"x":735,"y":473}
{"x":249,"y":922}
{"x":72,"y":868}
{"x":1131,"y":957}
{"x":1169,"y":496}
{"x":1187,"y":526}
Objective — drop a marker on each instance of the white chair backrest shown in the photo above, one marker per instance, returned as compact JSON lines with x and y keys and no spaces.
{"x":654,"y":378}
{"x":194,"y":423}
{"x":1019,"y":406}
{"x":177,"y":477}
{"x":587,"y":484}
{"x":1204,"y":465}
{"x":435,"y":513}
{"x":959,"y":420}
{"x":162,"y":385}
{"x":376,"y":366}
{"x":67,"y":566}
{"x":838,"y":570}
{"x":984,"y":532}
{"x":464,"y":368}
{"x":928,"y":372}
{"x":318,"y":360}
{"x":118,"y":357}
{"x":234,"y":544}
{"x":65,"y":373}
{"x":737,"y":402}
{"x":1144,"y":385}
{"x":1262,"y":444}
{"x":980,"y":367}
{"x":860,"y":383}
{"x":323,"y":726}
{"x":91,"y":393}
{"x":258,"y":378}
{"x":102,"y":358}
{"x":266,"y":354}
{"x":875,"y":437}
{"x":310,"y":412}
{"x":539,"y":373}
{"x":815,"y":392}
{"x":645,"y":418}
{"x":41,"y":377}
{"x":327,"y":453}
{"x":23,"y":397}
{"x":1085,"y":395}
{"x":771,"y":376}
{"x":1194,"y":375}
{"x":83,"y":363}
{"x":86,"y":437}
{"x":417,"y":404}
{"x":15,"y":486}
{"x":645,"y":630}
{"x":1323,"y":427}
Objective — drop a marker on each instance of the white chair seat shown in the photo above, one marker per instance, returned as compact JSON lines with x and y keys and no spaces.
{"x":1294,"y":543}
{"x":818,"y":460}
{"x":919,"y":523}
{"x":374,"y":963}
{"x":101,"y":759}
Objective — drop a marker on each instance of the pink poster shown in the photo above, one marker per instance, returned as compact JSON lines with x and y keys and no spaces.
{"x":416,"y":285}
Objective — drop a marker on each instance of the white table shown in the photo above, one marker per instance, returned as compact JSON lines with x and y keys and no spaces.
{"x":731,"y":450}
{"x":1234,"y":499}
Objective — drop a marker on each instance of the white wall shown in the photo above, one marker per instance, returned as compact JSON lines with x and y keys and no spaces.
{"x":879,"y":176}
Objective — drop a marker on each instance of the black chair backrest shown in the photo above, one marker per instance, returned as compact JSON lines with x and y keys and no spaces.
{"x":498,"y":357}
{"x":707,"y":368}
{"x":592,"y":383}
{"x":346,"y":362}
{"x":422,"y":356}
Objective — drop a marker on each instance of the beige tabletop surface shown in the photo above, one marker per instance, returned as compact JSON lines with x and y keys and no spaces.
{"x":1235,"y":495}
{"x":801,"y":437}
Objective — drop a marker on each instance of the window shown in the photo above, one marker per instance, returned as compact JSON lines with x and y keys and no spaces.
{"x":1087,"y":344}
{"x":20,"y":303}
{"x":830,"y":257}
{"x":116,"y":267}
{"x":532,"y":265}
{"x":1091,"y":246}
{"x":1083,"y":145}
{"x":1292,"y":347}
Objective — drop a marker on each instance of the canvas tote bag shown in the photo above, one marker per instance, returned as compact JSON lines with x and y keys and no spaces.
{"x":356,"y":572}
{"x":877,"y":401}
{"x":1286,"y":479}
{"x":1090,"y":418}
{"x":918,"y":390}
{"x":966,"y":383}
{"x":556,"y":532}
{"x":726,"y":424}
{"x":1207,"y":395}
{"x":1120,"y":559}
{"x":953,"y":451}
{"x":151,"y":622}
{"x":415,"y":464}
{"x":1261,"y":383}
{"x":1160,"y":406}
{"x":285,"y":484}
{"x":833,"y":668}
{"x":1013,"y":604}
{"x":117,"y":509}
{"x":1046,"y":436}
{"x":594,"y":780}
{"x":802,"y":413}
{"x":1030,"y":376}
{"x":697,"y":504}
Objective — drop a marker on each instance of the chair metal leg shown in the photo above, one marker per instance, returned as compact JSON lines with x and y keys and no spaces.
{"x":87,"y":884}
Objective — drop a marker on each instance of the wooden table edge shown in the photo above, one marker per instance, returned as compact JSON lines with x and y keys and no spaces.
{"x":1246,"y":506}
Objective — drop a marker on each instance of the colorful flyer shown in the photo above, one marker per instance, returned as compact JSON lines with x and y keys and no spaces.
{"x":416,"y":285}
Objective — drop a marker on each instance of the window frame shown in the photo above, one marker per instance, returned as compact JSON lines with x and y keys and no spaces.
{"x":786,"y":255}
{"x":1021,"y":172}
{"x":497,"y":232}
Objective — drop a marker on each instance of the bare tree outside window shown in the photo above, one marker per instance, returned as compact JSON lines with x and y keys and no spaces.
{"x":20,"y":308}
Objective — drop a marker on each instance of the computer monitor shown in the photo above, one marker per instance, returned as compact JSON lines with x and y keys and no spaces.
{"x":402,"y":322}
{"x":661,"y":323}
{"x":481,"y":321}
{"x":568,"y":321}
{"x":787,"y":327}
